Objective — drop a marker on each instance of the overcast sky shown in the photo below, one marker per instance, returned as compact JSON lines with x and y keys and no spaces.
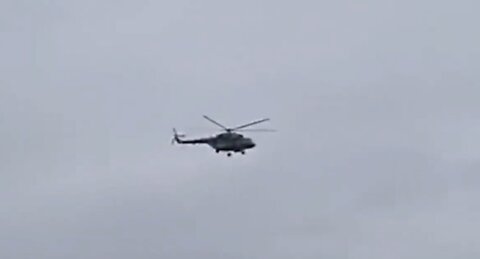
{"x":376,"y":104}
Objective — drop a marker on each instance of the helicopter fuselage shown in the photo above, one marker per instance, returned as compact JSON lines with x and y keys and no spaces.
{"x":231,"y":142}
{"x":226,"y":142}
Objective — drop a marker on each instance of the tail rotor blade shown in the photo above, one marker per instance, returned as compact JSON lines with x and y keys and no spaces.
{"x":176,"y":136}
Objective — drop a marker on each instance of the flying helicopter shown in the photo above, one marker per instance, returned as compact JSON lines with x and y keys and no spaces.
{"x":229,"y":141}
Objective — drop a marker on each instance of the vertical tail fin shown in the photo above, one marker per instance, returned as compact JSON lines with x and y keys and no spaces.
{"x":176,"y":136}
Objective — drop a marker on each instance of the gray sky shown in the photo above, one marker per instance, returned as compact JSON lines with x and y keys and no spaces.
{"x":376,"y":103}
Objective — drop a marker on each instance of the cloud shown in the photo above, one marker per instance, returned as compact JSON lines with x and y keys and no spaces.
{"x":375,"y":106}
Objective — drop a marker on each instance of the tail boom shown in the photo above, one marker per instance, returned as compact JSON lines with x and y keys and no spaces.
{"x":177,"y":138}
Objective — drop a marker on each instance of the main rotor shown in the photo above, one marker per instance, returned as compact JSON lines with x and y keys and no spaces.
{"x":241,"y":128}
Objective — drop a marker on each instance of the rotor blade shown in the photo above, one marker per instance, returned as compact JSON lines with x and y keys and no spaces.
{"x":250,"y":124}
{"x":256,"y":130}
{"x":175,"y":133}
{"x":214,"y":122}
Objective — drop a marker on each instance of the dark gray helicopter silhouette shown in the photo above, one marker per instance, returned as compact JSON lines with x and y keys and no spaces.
{"x":229,"y":141}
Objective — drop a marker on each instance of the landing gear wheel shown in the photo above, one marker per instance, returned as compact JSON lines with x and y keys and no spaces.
{"x":217,"y":151}
{"x":229,"y":154}
{"x":243,"y":152}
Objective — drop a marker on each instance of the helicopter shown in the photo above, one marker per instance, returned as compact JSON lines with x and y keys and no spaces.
{"x":229,"y":141}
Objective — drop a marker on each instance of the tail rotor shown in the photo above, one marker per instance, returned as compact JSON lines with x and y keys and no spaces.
{"x":176,"y":137}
